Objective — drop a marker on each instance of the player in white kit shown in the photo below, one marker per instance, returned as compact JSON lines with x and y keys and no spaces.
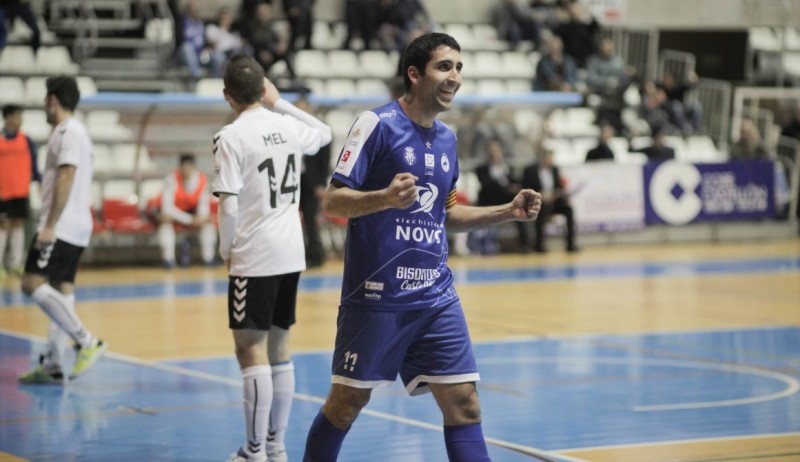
{"x":257,"y":162}
{"x":64,"y":230}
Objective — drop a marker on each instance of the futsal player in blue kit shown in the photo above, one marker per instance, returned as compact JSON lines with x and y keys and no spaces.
{"x":395,"y":181}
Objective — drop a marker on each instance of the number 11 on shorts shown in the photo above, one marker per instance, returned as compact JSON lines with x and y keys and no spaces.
{"x":350,"y":361}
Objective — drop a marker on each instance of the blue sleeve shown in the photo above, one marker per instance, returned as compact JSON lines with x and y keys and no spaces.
{"x":363,"y":147}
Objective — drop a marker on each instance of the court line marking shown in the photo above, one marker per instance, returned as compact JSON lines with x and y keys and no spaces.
{"x":545,"y":456}
{"x":685,"y":441}
{"x":793,"y":385}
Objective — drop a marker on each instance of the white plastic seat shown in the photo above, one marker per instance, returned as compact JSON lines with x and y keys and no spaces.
{"x":209,"y":87}
{"x":563,"y":151}
{"x":372,"y":87}
{"x":311,"y":63}
{"x":491,"y":87}
{"x":679,"y":145}
{"x":124,"y":157}
{"x":702,"y":149}
{"x":12,"y":90}
{"x":55,"y":60}
{"x":488,"y":64}
{"x":148,"y":189}
{"x":103,"y":124}
{"x":34,"y":124}
{"x":103,"y":161}
{"x":35,"y":90}
{"x":516,"y":64}
{"x":582,"y":146}
{"x":468,"y":87}
{"x":343,"y":63}
{"x":763,"y":38}
{"x":119,"y":189}
{"x":86,"y":86}
{"x":18,"y":60}
{"x":340,"y":88}
{"x":377,"y":63}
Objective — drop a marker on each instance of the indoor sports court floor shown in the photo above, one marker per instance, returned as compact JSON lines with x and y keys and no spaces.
{"x":675,"y":352}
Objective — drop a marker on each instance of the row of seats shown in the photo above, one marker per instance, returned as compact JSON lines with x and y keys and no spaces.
{"x":30,"y":91}
{"x":774,"y":38}
{"x":19,"y":59}
{"x":696,"y":149}
{"x":103,"y":125}
{"x":379,"y":64}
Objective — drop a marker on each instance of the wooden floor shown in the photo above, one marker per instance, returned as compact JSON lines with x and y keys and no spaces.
{"x":188,"y":327}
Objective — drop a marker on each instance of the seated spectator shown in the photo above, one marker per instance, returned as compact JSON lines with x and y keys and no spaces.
{"x":247,"y":9}
{"x":608,"y":77}
{"x":515,"y":23}
{"x":652,"y":109}
{"x":13,"y":9}
{"x":399,"y":21}
{"x":498,"y":186}
{"x":749,"y":145}
{"x":268,"y":46}
{"x":185,"y":200}
{"x":658,"y":151}
{"x":223,"y":40}
{"x":193,"y":51}
{"x":544,"y":177}
{"x":792,"y":128}
{"x":684,"y":113}
{"x":300,"y":14}
{"x":602,"y":151}
{"x":578,"y":32}
{"x":360,"y":16}
{"x":555,"y":71}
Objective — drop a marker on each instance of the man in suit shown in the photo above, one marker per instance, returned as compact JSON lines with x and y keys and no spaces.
{"x":658,"y":151}
{"x":545,"y":178}
{"x":602,"y":151}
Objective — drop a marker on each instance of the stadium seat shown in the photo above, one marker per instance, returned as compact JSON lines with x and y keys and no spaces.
{"x":55,"y":60}
{"x":103,"y":125}
{"x":34,"y":123}
{"x":763,"y":39}
{"x":12,"y":90}
{"x":340,"y":88}
{"x":103,"y":162}
{"x":372,"y":87}
{"x":702,"y":149}
{"x":377,"y":63}
{"x":516,"y":86}
{"x":35,"y":90}
{"x":123,"y":216}
{"x":517,"y":64}
{"x":487,"y":64}
{"x":343,"y":63}
{"x":18,"y":60}
{"x":209,"y":87}
{"x":491,"y":87}
{"x":316,"y":86}
{"x":124,"y":157}
{"x":86,"y":86}
{"x":311,"y":64}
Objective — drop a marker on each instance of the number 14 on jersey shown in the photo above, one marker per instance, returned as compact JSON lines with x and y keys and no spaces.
{"x":289,"y":183}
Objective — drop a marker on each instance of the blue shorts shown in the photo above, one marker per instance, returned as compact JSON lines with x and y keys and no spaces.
{"x":429,"y":345}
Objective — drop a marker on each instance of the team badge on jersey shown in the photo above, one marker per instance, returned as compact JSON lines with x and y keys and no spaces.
{"x":409,"y":156}
{"x":445,"y":162}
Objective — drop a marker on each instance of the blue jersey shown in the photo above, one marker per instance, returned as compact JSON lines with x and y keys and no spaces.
{"x":397,"y":259}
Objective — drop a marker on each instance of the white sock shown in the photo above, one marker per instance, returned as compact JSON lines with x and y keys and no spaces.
{"x":257,"y":403}
{"x":16,"y":247}
{"x":3,"y":241}
{"x":282,"y":397}
{"x":166,"y":239}
{"x":57,"y":339}
{"x":56,"y":306}
{"x":208,"y":239}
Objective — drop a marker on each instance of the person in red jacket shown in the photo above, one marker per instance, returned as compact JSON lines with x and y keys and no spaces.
{"x":17,"y":170}
{"x":185,"y":201}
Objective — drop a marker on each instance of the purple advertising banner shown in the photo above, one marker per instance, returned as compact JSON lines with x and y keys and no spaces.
{"x":677,"y":193}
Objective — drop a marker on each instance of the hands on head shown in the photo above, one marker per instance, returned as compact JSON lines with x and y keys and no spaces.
{"x":271,"y":94}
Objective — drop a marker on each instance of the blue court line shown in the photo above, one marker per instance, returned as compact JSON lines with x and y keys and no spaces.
{"x":314,"y":283}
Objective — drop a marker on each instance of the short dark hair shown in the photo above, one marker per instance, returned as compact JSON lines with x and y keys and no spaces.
{"x":244,"y":79}
{"x":419,"y":52}
{"x":186,"y":157}
{"x":65,"y":89}
{"x":10,"y":109}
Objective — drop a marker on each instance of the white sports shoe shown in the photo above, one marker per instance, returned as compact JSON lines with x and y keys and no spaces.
{"x":241,"y":456}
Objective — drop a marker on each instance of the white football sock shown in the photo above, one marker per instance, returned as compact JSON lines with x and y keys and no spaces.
{"x":3,"y":241}
{"x":57,"y":308}
{"x":282,"y":396}
{"x":257,"y":382}
{"x":57,"y":339}
{"x":166,"y":239}
{"x":16,"y":247}
{"x":208,"y":239}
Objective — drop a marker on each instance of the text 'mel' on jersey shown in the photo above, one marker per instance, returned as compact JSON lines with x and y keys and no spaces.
{"x":258,"y":158}
{"x":398,"y":258}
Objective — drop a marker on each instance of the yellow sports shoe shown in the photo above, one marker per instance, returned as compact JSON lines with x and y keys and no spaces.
{"x":40,"y":375}
{"x":86,"y":357}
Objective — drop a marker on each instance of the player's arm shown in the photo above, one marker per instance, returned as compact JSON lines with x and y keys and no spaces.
{"x":343,"y":202}
{"x":319,"y":134}
{"x":228,"y":209}
{"x":168,"y":207}
{"x":65,"y":176}
{"x":460,"y":218}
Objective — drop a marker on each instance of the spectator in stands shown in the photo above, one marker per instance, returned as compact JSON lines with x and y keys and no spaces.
{"x":268,"y":46}
{"x":658,"y":151}
{"x":544,"y":177}
{"x":555,"y":71}
{"x":300,"y":14}
{"x":652,"y":109}
{"x":683,"y":112}
{"x":792,"y":128}
{"x":608,"y":77}
{"x":602,"y":151}
{"x":578,"y":32}
{"x":12,"y":9}
{"x":399,"y":21}
{"x":185,"y":200}
{"x":17,"y":170}
{"x":223,"y":40}
{"x":749,"y":145}
{"x":313,"y":183}
{"x":247,"y":9}
{"x":515,"y":23}
{"x":498,"y":186}
{"x":360,"y":16}
{"x":193,"y":50}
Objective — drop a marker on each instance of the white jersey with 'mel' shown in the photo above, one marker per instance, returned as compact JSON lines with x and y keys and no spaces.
{"x":69,"y":144}
{"x":258,"y":158}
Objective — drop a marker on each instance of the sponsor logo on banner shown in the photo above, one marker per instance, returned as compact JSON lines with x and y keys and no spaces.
{"x":680,"y":193}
